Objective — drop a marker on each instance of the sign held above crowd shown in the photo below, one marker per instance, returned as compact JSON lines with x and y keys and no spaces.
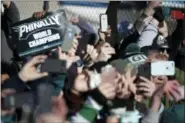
{"x":33,"y":36}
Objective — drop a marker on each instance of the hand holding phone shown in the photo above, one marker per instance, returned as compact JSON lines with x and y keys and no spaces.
{"x":30,"y":72}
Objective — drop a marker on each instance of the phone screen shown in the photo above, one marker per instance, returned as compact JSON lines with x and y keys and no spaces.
{"x":163,"y":68}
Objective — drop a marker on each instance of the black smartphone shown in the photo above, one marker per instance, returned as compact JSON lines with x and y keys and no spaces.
{"x":18,"y":100}
{"x":144,"y":71}
{"x":54,"y":66}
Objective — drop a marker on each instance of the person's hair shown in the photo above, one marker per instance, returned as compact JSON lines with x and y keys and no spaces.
{"x":161,"y":57}
{"x":157,"y":55}
{"x":7,"y":68}
{"x":98,"y":66}
{"x":149,"y":49}
{"x":158,"y":15}
{"x":150,"y":52}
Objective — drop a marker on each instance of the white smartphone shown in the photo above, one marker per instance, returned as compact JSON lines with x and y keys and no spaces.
{"x":163,"y":68}
{"x":103,"y":22}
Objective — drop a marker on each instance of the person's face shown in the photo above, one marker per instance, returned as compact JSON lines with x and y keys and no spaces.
{"x":156,"y":56}
{"x":158,"y":80}
{"x":108,"y":74}
{"x":82,"y":81}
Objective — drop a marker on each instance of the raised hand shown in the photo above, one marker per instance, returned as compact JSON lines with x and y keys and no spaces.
{"x":29,"y":71}
{"x":171,"y":89}
{"x":39,"y":14}
{"x":104,"y":35}
{"x":74,"y":20}
{"x":126,"y":86}
{"x":164,"y":30}
{"x":146,"y":86}
{"x":106,"y":52}
{"x":108,"y":90}
{"x":92,"y":52}
{"x":69,"y":59}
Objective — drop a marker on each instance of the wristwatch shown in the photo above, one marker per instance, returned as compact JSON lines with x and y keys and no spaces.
{"x":79,"y":63}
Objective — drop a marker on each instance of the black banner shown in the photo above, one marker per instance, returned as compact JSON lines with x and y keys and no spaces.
{"x":34,"y":36}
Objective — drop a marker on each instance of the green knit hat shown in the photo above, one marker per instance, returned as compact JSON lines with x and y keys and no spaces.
{"x":132,"y":62}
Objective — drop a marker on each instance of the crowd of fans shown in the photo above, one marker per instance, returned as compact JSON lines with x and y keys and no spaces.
{"x":102,"y":83}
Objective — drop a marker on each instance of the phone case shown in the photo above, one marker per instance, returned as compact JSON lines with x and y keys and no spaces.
{"x":163,"y":68}
{"x":54,"y":66}
{"x":145,"y":70}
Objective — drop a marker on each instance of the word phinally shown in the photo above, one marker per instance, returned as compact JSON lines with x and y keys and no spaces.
{"x":51,"y":20}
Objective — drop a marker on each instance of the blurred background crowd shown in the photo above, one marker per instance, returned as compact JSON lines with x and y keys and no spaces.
{"x":106,"y":79}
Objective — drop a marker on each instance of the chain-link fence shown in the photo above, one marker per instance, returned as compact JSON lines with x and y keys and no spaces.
{"x":89,"y":11}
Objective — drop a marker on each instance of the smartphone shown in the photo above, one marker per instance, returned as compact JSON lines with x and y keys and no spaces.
{"x":103,"y":22}
{"x":163,"y":68}
{"x":18,"y":100}
{"x":144,"y":70}
{"x":68,"y":39}
{"x":54,"y":66}
{"x":177,"y":14}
